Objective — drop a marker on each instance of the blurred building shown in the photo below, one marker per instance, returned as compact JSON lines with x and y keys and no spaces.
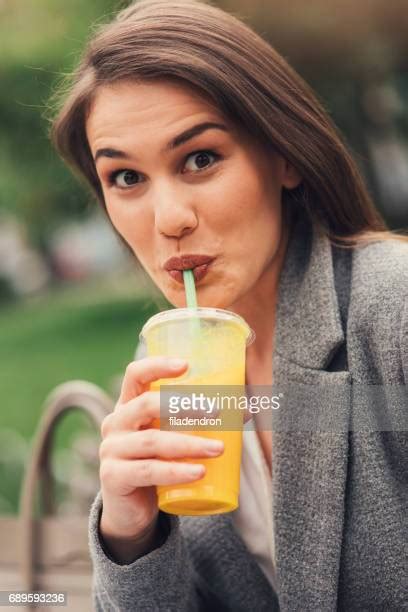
{"x":22,"y":269}
{"x":82,"y":249}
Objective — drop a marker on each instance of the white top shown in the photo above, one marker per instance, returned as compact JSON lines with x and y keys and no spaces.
{"x":253,"y":519}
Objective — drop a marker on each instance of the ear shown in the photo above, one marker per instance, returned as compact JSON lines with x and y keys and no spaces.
{"x":290,"y":176}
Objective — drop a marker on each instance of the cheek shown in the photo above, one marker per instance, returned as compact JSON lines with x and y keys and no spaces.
{"x":252,"y":192}
{"x":255,"y":225}
{"x":132,"y":224}
{"x":122,"y":214}
{"x":249,"y":204}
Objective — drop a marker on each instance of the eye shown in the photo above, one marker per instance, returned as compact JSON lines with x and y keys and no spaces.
{"x":201,"y":159}
{"x":124,"y":178}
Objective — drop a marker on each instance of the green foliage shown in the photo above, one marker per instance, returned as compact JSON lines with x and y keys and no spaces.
{"x":54,"y":340}
{"x":41,"y":42}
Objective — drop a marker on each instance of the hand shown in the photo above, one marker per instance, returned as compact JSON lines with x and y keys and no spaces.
{"x":134,"y":457}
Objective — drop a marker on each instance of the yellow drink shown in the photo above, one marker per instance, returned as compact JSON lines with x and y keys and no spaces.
{"x":214,"y":344}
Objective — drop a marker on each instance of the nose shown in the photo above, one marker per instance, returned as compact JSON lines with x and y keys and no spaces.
{"x":174,"y":213}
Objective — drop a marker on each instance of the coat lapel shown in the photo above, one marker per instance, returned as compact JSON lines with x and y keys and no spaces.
{"x":309,"y":468}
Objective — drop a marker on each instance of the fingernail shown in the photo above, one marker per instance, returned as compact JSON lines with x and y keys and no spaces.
{"x":214,"y":445}
{"x":196,"y":470}
{"x":176,"y":364}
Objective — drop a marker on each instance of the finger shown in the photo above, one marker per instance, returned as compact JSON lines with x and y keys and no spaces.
{"x":106,"y":425}
{"x":139,"y":374}
{"x":151,"y":443}
{"x":146,"y":472}
{"x":137,"y":413}
{"x":124,"y":476}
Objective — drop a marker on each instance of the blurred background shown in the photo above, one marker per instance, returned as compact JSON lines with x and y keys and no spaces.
{"x":72,"y":302}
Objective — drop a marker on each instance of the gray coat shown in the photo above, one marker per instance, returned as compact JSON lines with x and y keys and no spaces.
{"x":340,"y":499}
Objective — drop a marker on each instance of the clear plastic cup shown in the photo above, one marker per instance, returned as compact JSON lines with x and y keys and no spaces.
{"x":213,"y":341}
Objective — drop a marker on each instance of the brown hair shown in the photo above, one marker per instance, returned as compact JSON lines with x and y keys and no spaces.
{"x":202,"y":46}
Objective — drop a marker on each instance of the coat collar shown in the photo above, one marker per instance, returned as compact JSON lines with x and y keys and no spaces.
{"x":309,"y":468}
{"x":308,"y":328}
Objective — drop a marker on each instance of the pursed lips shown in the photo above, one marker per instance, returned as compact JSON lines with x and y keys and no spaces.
{"x":199,"y":264}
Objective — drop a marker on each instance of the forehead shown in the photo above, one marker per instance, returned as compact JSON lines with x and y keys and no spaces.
{"x":146,"y":104}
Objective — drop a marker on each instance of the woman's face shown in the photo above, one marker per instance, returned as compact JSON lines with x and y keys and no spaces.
{"x":214,"y":194}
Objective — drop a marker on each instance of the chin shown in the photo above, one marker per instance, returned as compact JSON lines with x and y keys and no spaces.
{"x":214,"y":301}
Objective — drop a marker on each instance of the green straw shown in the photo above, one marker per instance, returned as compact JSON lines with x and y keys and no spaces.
{"x":189,"y":288}
{"x":191,"y":299}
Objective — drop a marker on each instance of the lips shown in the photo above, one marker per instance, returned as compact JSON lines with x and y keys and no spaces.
{"x":199,"y":264}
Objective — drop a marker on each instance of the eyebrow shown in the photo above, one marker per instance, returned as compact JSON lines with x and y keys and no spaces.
{"x":177,"y":141}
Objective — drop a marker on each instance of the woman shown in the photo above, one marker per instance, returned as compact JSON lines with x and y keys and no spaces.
{"x":199,"y":139}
